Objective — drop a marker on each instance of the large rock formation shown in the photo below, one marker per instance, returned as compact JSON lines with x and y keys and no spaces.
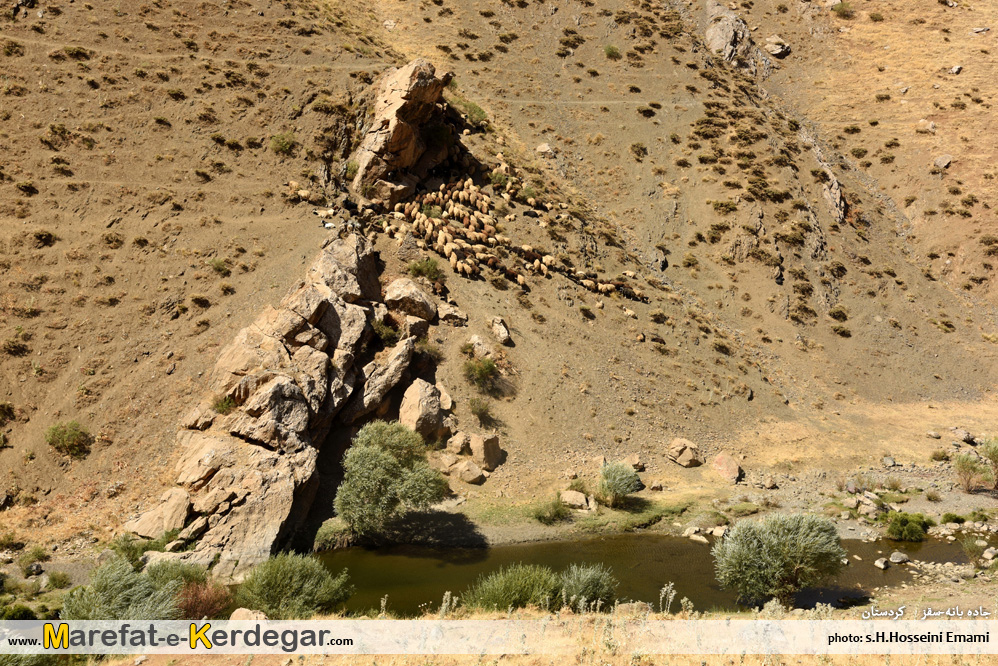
{"x":247,"y":474}
{"x":395,"y":153}
{"x":728,"y":36}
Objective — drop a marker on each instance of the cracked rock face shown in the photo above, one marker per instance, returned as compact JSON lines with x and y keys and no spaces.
{"x":407,"y":99}
{"x":247,"y":474}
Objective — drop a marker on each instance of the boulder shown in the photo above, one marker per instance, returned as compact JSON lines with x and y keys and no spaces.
{"x":943,"y":161}
{"x":170,"y":514}
{"x":446,"y":462}
{"x":933,"y":435}
{"x":727,"y":468}
{"x":897,"y":557}
{"x":769,"y":483}
{"x":405,"y":296}
{"x":485,"y":451}
{"x":727,"y":35}
{"x":990,"y":554}
{"x":379,"y":377}
{"x":451,"y":315}
{"x":776,"y":46}
{"x":468,"y":472}
{"x":888,"y":461}
{"x":394,"y":151}
{"x":574,"y":499}
{"x":245,"y":614}
{"x":961,"y":435}
{"x":881,"y":563}
{"x":420,"y":409}
{"x":698,"y":538}
{"x":446,"y":402}
{"x":685,"y":453}
{"x":656,"y":485}
{"x":416,"y":327}
{"x":635,"y":461}
{"x":459,"y":444}
{"x":851,"y":503}
{"x":500,"y":331}
{"x":479,"y":347}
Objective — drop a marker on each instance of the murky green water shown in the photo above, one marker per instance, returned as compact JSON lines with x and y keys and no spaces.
{"x":416,"y":577}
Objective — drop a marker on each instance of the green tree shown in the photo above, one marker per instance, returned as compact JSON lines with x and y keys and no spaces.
{"x":293,"y":587}
{"x":617,"y":481}
{"x":385,"y":476}
{"x":778,"y":556}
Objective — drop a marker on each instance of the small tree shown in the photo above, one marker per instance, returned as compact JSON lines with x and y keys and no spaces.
{"x":385,"y":475}
{"x":778,"y":556}
{"x":293,"y":587}
{"x":968,"y":470}
{"x":617,"y":481}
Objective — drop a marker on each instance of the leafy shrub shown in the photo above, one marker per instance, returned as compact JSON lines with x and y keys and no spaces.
{"x":989,"y":452}
{"x":385,"y":475}
{"x":333,"y":533}
{"x":952,"y":518}
{"x":207,"y":599}
{"x":969,"y":471}
{"x":939,"y":455}
{"x":7,"y":413}
{"x":514,"y":586}
{"x":132,"y":548}
{"x":588,"y":586}
{"x":292,"y":587}
{"x":617,"y":480}
{"x":843,"y":10}
{"x":388,"y":334}
{"x":168,"y":572}
{"x":118,"y":592}
{"x":224,"y":404}
{"x":552,"y":512}
{"x":283,"y":144}
{"x":427,"y":268}
{"x":70,"y":439}
{"x":933,"y":496}
{"x":876,"y":17}
{"x":483,"y":373}
{"x":908,"y":526}
{"x":18,"y":612}
{"x":778,"y":556}
{"x":612,"y":52}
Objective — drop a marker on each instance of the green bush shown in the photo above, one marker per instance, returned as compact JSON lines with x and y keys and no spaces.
{"x":481,"y":408}
{"x":293,"y":587}
{"x":132,"y":548}
{"x":515,"y":586}
{"x":388,"y":334}
{"x":18,"y":612}
{"x":778,"y":556}
{"x":843,"y":10}
{"x":333,"y":533}
{"x":168,"y":572}
{"x":70,"y":439}
{"x":552,"y":512}
{"x":907,"y":526}
{"x":385,"y":476}
{"x":952,"y":518}
{"x":283,"y":144}
{"x":59,"y":580}
{"x":224,"y":404}
{"x":617,"y":481}
{"x":118,"y":592}
{"x":427,"y":268}
{"x":588,"y":587}
{"x":483,"y":373}
{"x":612,"y":52}
{"x":969,"y":471}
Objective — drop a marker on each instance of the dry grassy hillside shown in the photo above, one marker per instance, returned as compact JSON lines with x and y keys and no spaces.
{"x":146,"y":219}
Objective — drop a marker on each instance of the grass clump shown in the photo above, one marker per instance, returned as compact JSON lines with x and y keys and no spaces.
{"x":952,"y":518}
{"x":552,"y":512}
{"x":388,"y":334}
{"x":969,"y":471}
{"x":292,"y":587}
{"x":483,"y":373}
{"x":908,"y":526}
{"x":617,"y":481}
{"x":514,"y":586}
{"x":612,"y":52}
{"x":31,"y":556}
{"x":588,"y":587}
{"x":844,"y":10}
{"x":481,"y":408}
{"x":224,"y":404}
{"x":70,"y":439}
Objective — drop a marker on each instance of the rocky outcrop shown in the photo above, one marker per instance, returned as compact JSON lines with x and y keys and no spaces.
{"x":421,"y":410}
{"x":394,"y":153}
{"x":685,"y":453}
{"x":728,"y":36}
{"x":405,"y":296}
{"x":247,"y":472}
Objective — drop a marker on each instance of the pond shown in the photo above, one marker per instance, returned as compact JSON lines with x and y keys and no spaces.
{"x":416,"y":577}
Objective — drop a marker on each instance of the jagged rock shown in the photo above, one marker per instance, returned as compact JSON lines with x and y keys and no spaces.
{"x":961,"y":435}
{"x":451,"y":315}
{"x":416,"y":327}
{"x":685,"y":453}
{"x":446,"y":462}
{"x":832,"y":192}
{"x":407,"y":98}
{"x":726,"y":466}
{"x":247,"y":615}
{"x":500,"y":331}
{"x":459,"y":444}
{"x":776,"y":46}
{"x":574,"y":499}
{"x":170,"y":514}
{"x":727,"y":35}
{"x":485,"y":451}
{"x":479,"y":347}
{"x":379,"y":378}
{"x":405,"y":296}
{"x":851,"y":503}
{"x":635,"y":461}
{"x":943,"y":161}
{"x":469,"y":472}
{"x":446,"y":402}
{"x":194,"y":530}
{"x":421,"y":409}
